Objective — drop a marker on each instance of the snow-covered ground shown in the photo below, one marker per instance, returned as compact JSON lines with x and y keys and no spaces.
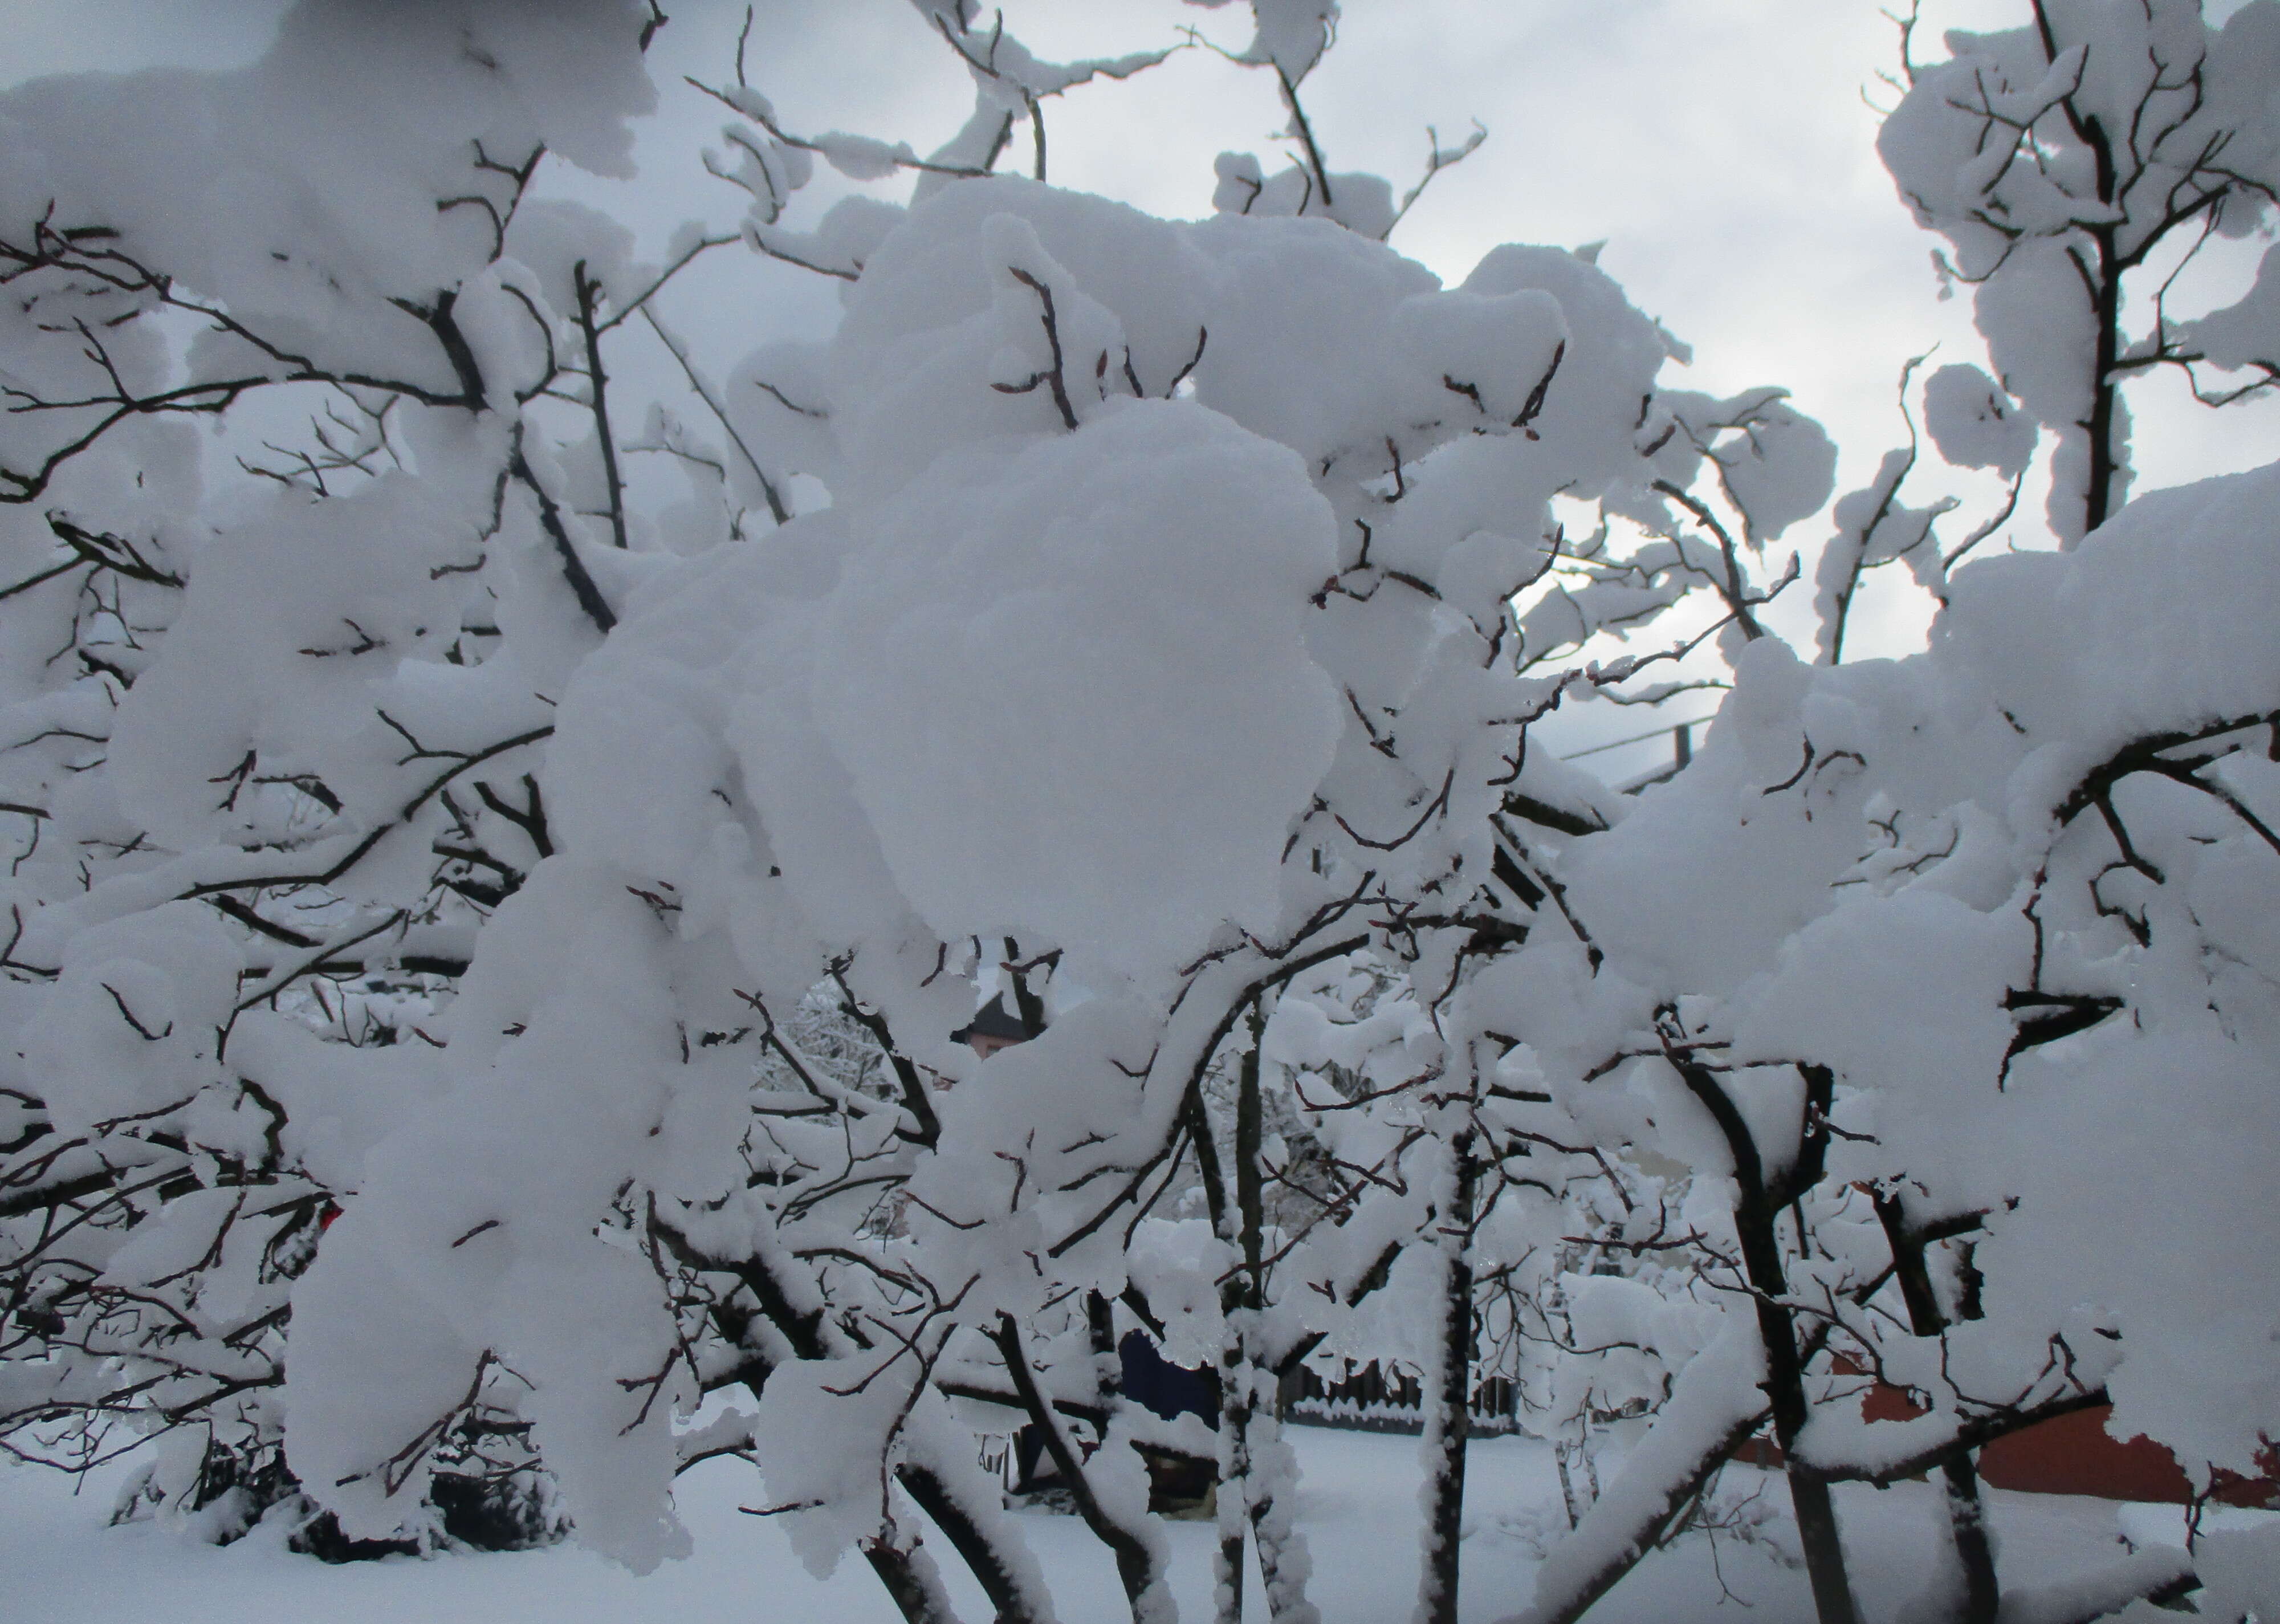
{"x":1358,"y":1505}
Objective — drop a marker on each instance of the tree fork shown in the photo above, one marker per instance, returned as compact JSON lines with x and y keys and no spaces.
{"x":1135,"y":1563}
{"x":806,"y":1333}
{"x":599,"y":383}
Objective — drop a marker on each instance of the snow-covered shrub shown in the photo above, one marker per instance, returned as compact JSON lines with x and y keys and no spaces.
{"x":485,"y":948}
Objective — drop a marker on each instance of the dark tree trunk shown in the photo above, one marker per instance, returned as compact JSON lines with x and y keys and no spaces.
{"x":1975,"y":1552}
{"x":1967,"y":1518}
{"x":1234,"y":1483}
{"x":1756,"y":1216}
{"x":1449,"y":1426}
{"x":1009,"y":1602}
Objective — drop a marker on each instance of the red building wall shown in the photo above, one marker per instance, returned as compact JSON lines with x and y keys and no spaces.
{"x":2074,"y":1454}
{"x":2070,"y":1454}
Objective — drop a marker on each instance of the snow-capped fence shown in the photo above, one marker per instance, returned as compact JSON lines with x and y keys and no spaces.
{"x":1382,"y":1396}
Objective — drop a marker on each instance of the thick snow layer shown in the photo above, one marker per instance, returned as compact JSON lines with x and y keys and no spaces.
{"x":1061,"y":693}
{"x":259,"y":187}
{"x":1356,"y":1499}
{"x":1091,"y":649}
{"x":1068,"y":684}
{"x":1974,"y":423}
{"x":2042,"y":664}
{"x":293,"y":623}
{"x":2170,"y":1133}
{"x":1887,"y":868}
{"x":477,"y":1232}
{"x":131,"y":1023}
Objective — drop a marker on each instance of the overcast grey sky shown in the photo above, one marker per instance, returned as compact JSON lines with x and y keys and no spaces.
{"x":1723,"y":149}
